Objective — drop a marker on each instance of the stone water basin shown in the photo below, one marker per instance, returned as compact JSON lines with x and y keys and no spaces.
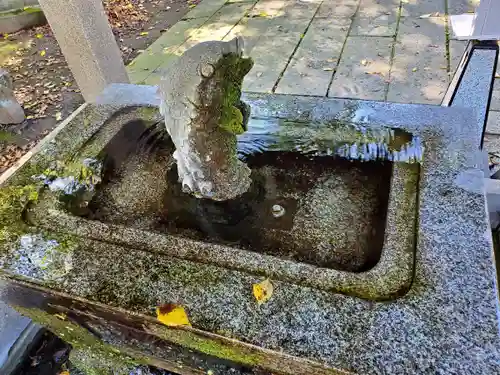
{"x":330,"y":206}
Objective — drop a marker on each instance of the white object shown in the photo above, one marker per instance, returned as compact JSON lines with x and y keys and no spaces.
{"x":483,"y":25}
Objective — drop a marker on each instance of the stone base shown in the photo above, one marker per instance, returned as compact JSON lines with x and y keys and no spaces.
{"x":18,"y":19}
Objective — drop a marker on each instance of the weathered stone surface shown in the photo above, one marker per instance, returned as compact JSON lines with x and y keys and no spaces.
{"x":457,"y":48}
{"x":462,"y":6}
{"x":87,"y":42}
{"x":203,"y":113}
{"x":272,"y":52}
{"x":11,"y":111}
{"x":495,"y":98}
{"x":380,"y":25}
{"x":419,"y":72}
{"x":493,"y":126}
{"x":337,"y":8}
{"x":313,"y":64}
{"x":363,"y":69}
{"x":22,"y":17}
{"x":417,"y":8}
{"x":450,"y":310}
{"x":375,"y":8}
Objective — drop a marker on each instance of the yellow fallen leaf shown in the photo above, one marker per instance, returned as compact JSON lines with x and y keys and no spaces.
{"x":328,"y":69}
{"x":61,"y":316}
{"x":42,"y":53}
{"x":172,"y":315}
{"x":39,"y":36}
{"x":263,"y":291}
{"x":65,"y":372}
{"x":58,"y":116}
{"x":6,"y":36}
{"x":364,"y":62}
{"x":414,"y":69}
{"x":192,"y":6}
{"x":144,"y":33}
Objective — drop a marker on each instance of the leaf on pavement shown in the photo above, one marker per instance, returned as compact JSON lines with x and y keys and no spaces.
{"x":42,"y":53}
{"x":263,"y":291}
{"x":58,"y":116}
{"x":172,"y":315}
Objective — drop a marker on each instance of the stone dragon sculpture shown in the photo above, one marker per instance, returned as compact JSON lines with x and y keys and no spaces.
{"x":200,"y":100}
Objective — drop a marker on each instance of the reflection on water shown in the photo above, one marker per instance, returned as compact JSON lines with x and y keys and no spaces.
{"x":319,"y":191}
{"x":351,"y":141}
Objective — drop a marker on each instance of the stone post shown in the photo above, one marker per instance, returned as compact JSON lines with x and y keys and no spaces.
{"x":85,"y":37}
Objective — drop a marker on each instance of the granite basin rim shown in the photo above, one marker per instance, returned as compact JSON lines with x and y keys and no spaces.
{"x":391,"y":277}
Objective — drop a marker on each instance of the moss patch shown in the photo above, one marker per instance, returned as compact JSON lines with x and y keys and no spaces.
{"x":208,"y":346}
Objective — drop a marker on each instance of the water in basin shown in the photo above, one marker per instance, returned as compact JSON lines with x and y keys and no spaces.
{"x":310,"y":203}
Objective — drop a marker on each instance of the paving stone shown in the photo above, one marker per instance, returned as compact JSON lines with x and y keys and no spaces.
{"x":462,"y":6}
{"x":456,"y":48}
{"x":251,"y":29}
{"x":495,"y":98}
{"x":418,"y":8}
{"x":492,"y":143}
{"x":155,"y":54}
{"x":337,"y":8}
{"x":419,"y":70}
{"x":493,"y":125}
{"x":381,"y":25}
{"x":363,"y":69}
{"x":205,"y":9}
{"x":375,"y":8}
{"x":312,"y":66}
{"x":272,"y":52}
{"x":216,"y":28}
{"x":287,"y":8}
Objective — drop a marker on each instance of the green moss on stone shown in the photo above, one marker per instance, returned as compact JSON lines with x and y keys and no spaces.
{"x":230,"y":73}
{"x":13,"y":202}
{"x":209,"y":346}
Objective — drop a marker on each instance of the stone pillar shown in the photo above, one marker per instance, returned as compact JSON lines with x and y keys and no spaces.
{"x":85,"y":37}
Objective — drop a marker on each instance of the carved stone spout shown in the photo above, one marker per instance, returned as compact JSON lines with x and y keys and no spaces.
{"x":203,"y":112}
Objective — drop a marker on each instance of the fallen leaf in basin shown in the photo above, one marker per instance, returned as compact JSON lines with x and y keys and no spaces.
{"x":263,"y":291}
{"x":39,"y":36}
{"x":172,"y":315}
{"x":42,"y":53}
{"x":144,"y":33}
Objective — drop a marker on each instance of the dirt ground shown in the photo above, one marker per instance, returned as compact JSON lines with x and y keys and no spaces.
{"x":43,"y":83}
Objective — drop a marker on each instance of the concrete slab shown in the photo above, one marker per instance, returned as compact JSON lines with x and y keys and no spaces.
{"x":363,"y":69}
{"x":206,"y":8}
{"x":462,"y":6}
{"x":419,"y":72}
{"x":315,"y":61}
{"x":251,"y":29}
{"x":272,"y":53}
{"x":375,"y":8}
{"x":287,"y":8}
{"x":337,"y":8}
{"x":493,"y":126}
{"x":216,"y":28}
{"x":456,"y":49}
{"x":495,"y":99}
{"x":381,"y":25}
{"x":155,"y":54}
{"x":419,"y":8}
